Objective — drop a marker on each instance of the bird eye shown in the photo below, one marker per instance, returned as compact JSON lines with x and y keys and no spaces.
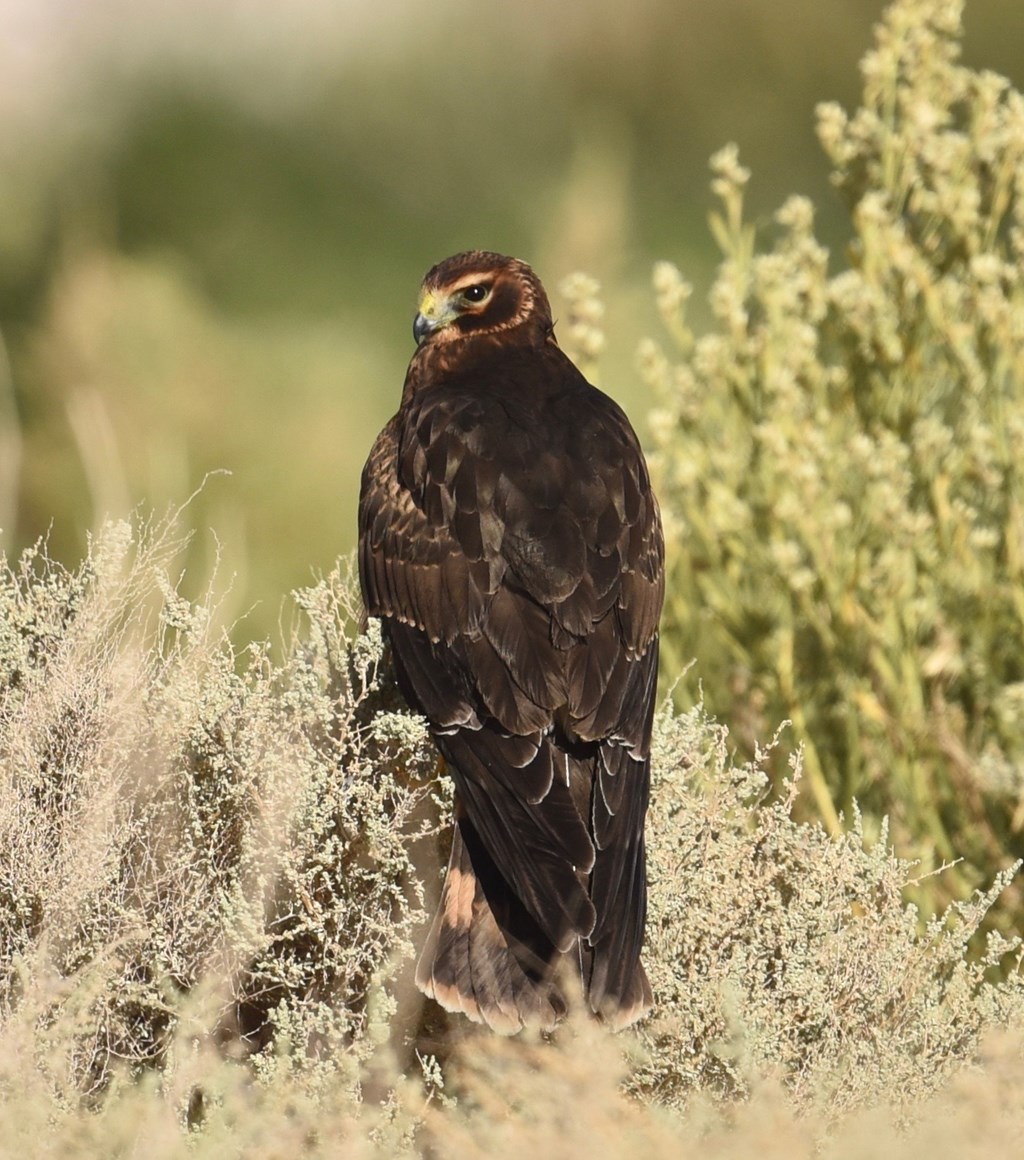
{"x":476,"y":293}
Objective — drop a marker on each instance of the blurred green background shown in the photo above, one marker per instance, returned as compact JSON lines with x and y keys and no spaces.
{"x":214,"y":217}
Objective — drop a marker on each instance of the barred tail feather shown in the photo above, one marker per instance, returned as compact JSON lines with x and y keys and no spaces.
{"x":487,"y":958}
{"x":473,"y":965}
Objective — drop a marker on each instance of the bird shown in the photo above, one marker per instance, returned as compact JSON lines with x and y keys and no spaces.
{"x":511,"y":545}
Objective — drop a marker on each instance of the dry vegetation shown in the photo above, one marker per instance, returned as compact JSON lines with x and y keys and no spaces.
{"x":211,"y":878}
{"x":214,"y":863}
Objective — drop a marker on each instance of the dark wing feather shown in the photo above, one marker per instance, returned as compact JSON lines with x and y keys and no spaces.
{"x":535,"y":845}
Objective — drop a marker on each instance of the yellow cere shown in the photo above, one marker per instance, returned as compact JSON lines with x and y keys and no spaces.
{"x":436,"y":307}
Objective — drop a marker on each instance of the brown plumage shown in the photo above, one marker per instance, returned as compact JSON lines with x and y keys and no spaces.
{"x":510,"y":543}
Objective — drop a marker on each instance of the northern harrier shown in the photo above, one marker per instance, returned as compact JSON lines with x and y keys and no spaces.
{"x":510,"y":543}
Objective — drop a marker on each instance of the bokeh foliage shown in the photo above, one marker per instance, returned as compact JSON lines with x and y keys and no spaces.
{"x":215,"y":217}
{"x":840,"y":459}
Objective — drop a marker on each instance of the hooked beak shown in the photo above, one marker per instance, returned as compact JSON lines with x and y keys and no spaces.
{"x":423,"y":326}
{"x":435,"y":310}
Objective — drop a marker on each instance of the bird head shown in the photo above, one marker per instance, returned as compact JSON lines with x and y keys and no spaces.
{"x":477,"y":293}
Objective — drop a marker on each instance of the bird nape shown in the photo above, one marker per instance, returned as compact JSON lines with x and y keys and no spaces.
{"x":510,"y":543}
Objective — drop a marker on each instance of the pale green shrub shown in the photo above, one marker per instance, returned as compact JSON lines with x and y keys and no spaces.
{"x":840,"y":460}
{"x":172,"y":812}
{"x":209,"y":856}
{"x":776,"y":949}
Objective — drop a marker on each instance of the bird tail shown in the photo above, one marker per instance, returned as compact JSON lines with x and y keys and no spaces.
{"x":618,"y":997}
{"x":487,"y":958}
{"x":495,"y":970}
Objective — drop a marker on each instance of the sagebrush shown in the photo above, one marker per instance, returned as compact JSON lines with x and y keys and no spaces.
{"x":213,"y":858}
